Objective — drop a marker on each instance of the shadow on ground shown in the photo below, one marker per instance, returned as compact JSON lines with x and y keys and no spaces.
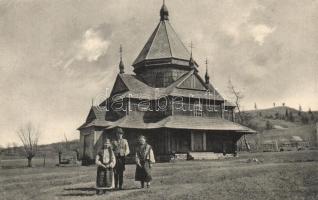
{"x":91,"y":191}
{"x":84,"y":189}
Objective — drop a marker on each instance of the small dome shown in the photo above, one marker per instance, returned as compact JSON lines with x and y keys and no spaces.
{"x":164,"y":13}
{"x":121,"y":67}
{"x":207,"y":77}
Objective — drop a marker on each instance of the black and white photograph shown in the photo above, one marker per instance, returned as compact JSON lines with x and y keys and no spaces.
{"x":159,"y":99}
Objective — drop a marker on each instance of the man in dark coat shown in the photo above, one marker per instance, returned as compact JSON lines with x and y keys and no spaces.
{"x":121,"y":150}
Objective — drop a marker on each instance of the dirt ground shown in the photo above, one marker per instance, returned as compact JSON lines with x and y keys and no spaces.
{"x":280,"y":175}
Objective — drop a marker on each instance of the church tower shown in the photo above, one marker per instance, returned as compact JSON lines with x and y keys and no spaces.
{"x":164,"y":58}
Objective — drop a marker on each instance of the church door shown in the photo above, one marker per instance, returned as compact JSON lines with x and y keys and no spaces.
{"x":197,"y":141}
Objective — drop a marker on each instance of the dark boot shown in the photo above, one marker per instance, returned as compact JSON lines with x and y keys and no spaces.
{"x":121,"y":179}
{"x":142,"y":184}
{"x":116,"y":180}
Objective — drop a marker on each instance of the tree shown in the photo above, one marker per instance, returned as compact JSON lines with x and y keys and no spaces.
{"x":14,"y":148}
{"x":237,"y":97}
{"x":299,"y":110}
{"x":60,"y":147}
{"x":277,"y":116}
{"x":286,"y":114}
{"x":269,"y":125}
{"x":274,"y":104}
{"x":255,"y":106}
{"x":311,"y":114}
{"x":8,"y":148}
{"x":291,"y":117}
{"x":283,"y":104}
{"x":29,"y":136}
{"x":76,"y":149}
{"x":304,"y":119}
{"x":309,"y":111}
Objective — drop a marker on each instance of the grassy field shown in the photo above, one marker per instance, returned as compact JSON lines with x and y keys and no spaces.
{"x":281,"y":175}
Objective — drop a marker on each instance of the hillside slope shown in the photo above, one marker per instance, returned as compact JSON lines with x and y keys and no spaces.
{"x":281,"y":123}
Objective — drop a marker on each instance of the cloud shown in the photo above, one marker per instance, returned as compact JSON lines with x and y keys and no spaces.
{"x":260,"y":32}
{"x":92,"y":46}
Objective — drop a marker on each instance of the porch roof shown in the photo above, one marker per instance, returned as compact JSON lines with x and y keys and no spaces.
{"x":204,"y":123}
{"x":180,"y":122}
{"x":95,"y":122}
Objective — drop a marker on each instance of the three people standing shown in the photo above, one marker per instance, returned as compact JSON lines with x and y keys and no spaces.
{"x":111,"y":160}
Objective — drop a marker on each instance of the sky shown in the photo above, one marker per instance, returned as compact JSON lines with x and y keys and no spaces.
{"x":56,"y":56}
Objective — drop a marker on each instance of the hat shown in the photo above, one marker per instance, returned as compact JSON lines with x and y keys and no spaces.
{"x":107,"y":142}
{"x":142,"y":137}
{"x":120,"y":130}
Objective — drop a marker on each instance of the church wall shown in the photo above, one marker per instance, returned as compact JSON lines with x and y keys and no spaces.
{"x":162,"y":76}
{"x":184,"y":141}
{"x":222,"y":142}
{"x":99,"y":140}
{"x":83,"y":133}
{"x":180,"y":141}
{"x":203,"y":109}
{"x":91,"y":141}
{"x":164,"y":142}
{"x":87,"y":145}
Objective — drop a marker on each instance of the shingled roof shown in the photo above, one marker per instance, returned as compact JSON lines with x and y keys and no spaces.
{"x":163,"y":43}
{"x":179,"y":122}
{"x":96,"y":117}
{"x":137,"y":88}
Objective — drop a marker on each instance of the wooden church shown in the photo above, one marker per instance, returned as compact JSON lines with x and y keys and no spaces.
{"x":167,"y":101}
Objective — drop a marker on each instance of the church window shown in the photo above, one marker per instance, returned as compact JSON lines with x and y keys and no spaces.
{"x":197,"y":109}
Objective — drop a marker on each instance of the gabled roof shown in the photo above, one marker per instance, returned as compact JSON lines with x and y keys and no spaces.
{"x":96,"y":113}
{"x":193,"y":82}
{"x":175,"y":90}
{"x":95,"y":117}
{"x":163,"y":43}
{"x":137,"y":88}
{"x":119,"y":86}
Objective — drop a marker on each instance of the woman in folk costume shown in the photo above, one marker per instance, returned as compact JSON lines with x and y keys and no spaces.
{"x":144,"y":158}
{"x":105,"y":161}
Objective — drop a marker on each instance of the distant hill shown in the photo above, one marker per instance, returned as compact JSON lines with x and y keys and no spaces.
{"x":282,"y":116}
{"x":281,"y":123}
{"x":49,"y":150}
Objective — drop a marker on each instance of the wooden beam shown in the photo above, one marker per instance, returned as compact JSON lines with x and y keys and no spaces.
{"x":168,"y":140}
{"x":192,"y":141}
{"x":204,"y":140}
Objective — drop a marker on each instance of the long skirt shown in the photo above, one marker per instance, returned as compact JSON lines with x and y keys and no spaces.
{"x":105,"y":178}
{"x":143,"y":172}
